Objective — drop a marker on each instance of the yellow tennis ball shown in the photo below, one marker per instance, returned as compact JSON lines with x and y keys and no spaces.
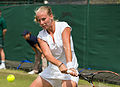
{"x":10,"y":78}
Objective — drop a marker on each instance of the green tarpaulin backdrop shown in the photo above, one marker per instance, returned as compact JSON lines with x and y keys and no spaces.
{"x":95,"y":31}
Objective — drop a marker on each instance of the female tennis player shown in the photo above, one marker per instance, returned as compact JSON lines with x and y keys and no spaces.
{"x":57,"y":46}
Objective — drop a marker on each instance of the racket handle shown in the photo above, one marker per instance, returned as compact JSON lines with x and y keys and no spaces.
{"x":69,"y":71}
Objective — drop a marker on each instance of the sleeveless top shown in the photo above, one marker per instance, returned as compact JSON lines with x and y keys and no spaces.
{"x":57,"y":50}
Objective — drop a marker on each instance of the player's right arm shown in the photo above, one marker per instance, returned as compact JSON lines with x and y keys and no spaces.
{"x":48,"y":55}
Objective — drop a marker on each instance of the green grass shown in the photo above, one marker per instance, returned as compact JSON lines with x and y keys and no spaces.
{"x":24,"y":80}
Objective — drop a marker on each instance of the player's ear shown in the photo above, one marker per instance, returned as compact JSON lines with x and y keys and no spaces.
{"x":51,"y":16}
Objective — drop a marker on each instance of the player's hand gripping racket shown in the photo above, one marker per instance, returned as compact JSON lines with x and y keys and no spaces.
{"x":99,"y":76}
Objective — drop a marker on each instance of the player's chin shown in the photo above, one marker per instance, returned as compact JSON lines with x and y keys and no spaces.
{"x":44,"y":27}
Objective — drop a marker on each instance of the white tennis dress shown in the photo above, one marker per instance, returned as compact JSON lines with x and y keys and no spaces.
{"x":52,"y":73}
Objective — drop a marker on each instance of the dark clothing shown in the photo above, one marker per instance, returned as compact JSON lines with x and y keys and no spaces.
{"x":2,"y":26}
{"x":32,"y":41}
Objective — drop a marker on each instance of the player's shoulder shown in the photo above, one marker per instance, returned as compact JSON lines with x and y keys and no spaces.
{"x":42,"y":33}
{"x":62,"y":25}
{"x":61,"y":22}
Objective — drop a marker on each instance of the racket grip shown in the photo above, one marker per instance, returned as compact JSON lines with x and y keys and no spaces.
{"x":69,"y":71}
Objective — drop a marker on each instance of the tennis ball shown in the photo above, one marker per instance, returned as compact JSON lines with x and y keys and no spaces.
{"x":10,"y":78}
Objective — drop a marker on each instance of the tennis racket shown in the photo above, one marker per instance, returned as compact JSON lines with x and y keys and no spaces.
{"x":99,"y":76}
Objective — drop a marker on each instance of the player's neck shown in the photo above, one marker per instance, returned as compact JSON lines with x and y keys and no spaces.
{"x":52,"y":28}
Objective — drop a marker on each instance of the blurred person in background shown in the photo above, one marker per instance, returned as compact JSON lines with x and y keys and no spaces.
{"x":33,"y":42}
{"x":3,"y":29}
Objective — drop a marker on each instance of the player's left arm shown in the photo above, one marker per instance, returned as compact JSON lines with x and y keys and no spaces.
{"x":66,"y":44}
{"x":67,"y":48}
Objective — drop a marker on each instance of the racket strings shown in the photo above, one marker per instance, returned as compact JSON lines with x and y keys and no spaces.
{"x":107,"y":77}
{"x":101,"y":76}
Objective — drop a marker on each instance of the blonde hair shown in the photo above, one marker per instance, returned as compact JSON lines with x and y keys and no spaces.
{"x":43,"y":8}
